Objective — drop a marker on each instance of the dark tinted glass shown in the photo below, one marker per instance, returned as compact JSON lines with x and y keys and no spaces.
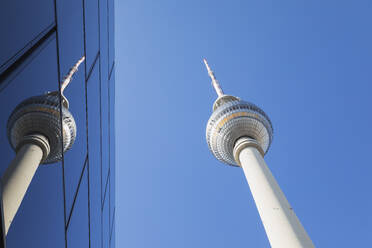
{"x":104,"y":35}
{"x":111,"y":39}
{"x":71,"y":200}
{"x":104,"y":90}
{"x":75,"y":157}
{"x":78,"y":227}
{"x":112,"y":237}
{"x":105,"y":130}
{"x":19,"y":34}
{"x":70,"y":32}
{"x":91,"y":31}
{"x":106,"y":224}
{"x":41,"y":226}
{"x":112,"y":148}
{"x":71,"y":48}
{"x":94,"y":138}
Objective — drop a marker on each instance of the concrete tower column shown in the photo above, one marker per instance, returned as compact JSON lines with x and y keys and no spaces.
{"x":281,"y":224}
{"x":239,"y":133}
{"x":17,"y":177}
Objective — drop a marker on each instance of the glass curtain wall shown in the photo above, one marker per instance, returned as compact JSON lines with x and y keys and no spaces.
{"x":70,"y":203}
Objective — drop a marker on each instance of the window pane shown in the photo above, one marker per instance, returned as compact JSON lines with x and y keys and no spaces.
{"x":105,"y":130}
{"x":112,"y":238}
{"x":106,"y":224}
{"x":111,"y":27}
{"x":18,"y":32}
{"x":94,"y":139}
{"x":91,"y":31}
{"x":71,"y":49}
{"x":104,"y":39}
{"x":40,"y":218}
{"x":78,"y":228}
{"x":112,"y":147}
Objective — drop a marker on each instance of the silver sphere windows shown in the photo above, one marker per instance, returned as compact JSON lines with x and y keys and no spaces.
{"x":41,"y":115}
{"x":233,"y":120}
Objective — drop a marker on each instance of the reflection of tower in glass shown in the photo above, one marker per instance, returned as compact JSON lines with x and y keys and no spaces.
{"x":36,"y":134}
{"x":239,"y":133}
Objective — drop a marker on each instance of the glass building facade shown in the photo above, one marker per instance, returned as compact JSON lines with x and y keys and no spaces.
{"x":70,"y":203}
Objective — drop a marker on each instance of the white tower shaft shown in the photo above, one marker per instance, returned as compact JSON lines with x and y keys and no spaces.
{"x":17,"y":177}
{"x":281,"y":224}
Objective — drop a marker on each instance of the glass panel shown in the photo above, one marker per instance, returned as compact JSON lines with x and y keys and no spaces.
{"x":71,"y":33}
{"x":78,"y":228}
{"x":94,"y":139}
{"x":106,"y":224}
{"x":91,"y":31}
{"x":71,"y":48}
{"x":112,"y":238}
{"x":112,"y":145}
{"x":111,"y":29}
{"x":40,"y":219}
{"x":104,"y":39}
{"x":18,"y":32}
{"x":105,"y":130}
{"x":104,"y":91}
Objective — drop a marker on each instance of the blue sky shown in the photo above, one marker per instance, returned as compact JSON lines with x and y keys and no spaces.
{"x":307,"y":64}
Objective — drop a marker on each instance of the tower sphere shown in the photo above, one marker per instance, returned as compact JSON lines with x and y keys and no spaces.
{"x":41,"y":115}
{"x":232,"y":119}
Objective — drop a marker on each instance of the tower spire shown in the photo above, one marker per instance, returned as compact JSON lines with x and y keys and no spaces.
{"x":215,"y":83}
{"x":67,"y":80}
{"x":72,"y":71}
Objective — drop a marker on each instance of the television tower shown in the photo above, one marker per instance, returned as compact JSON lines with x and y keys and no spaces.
{"x":39,"y":135}
{"x":239,"y":134}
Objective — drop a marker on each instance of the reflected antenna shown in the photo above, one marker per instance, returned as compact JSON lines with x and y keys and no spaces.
{"x":72,"y":71}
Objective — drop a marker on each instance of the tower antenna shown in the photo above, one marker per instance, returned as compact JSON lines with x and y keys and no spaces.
{"x":72,"y":71}
{"x":215,"y":83}
{"x":67,"y":80}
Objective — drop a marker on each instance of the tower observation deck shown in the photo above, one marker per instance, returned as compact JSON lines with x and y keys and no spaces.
{"x":239,"y":133}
